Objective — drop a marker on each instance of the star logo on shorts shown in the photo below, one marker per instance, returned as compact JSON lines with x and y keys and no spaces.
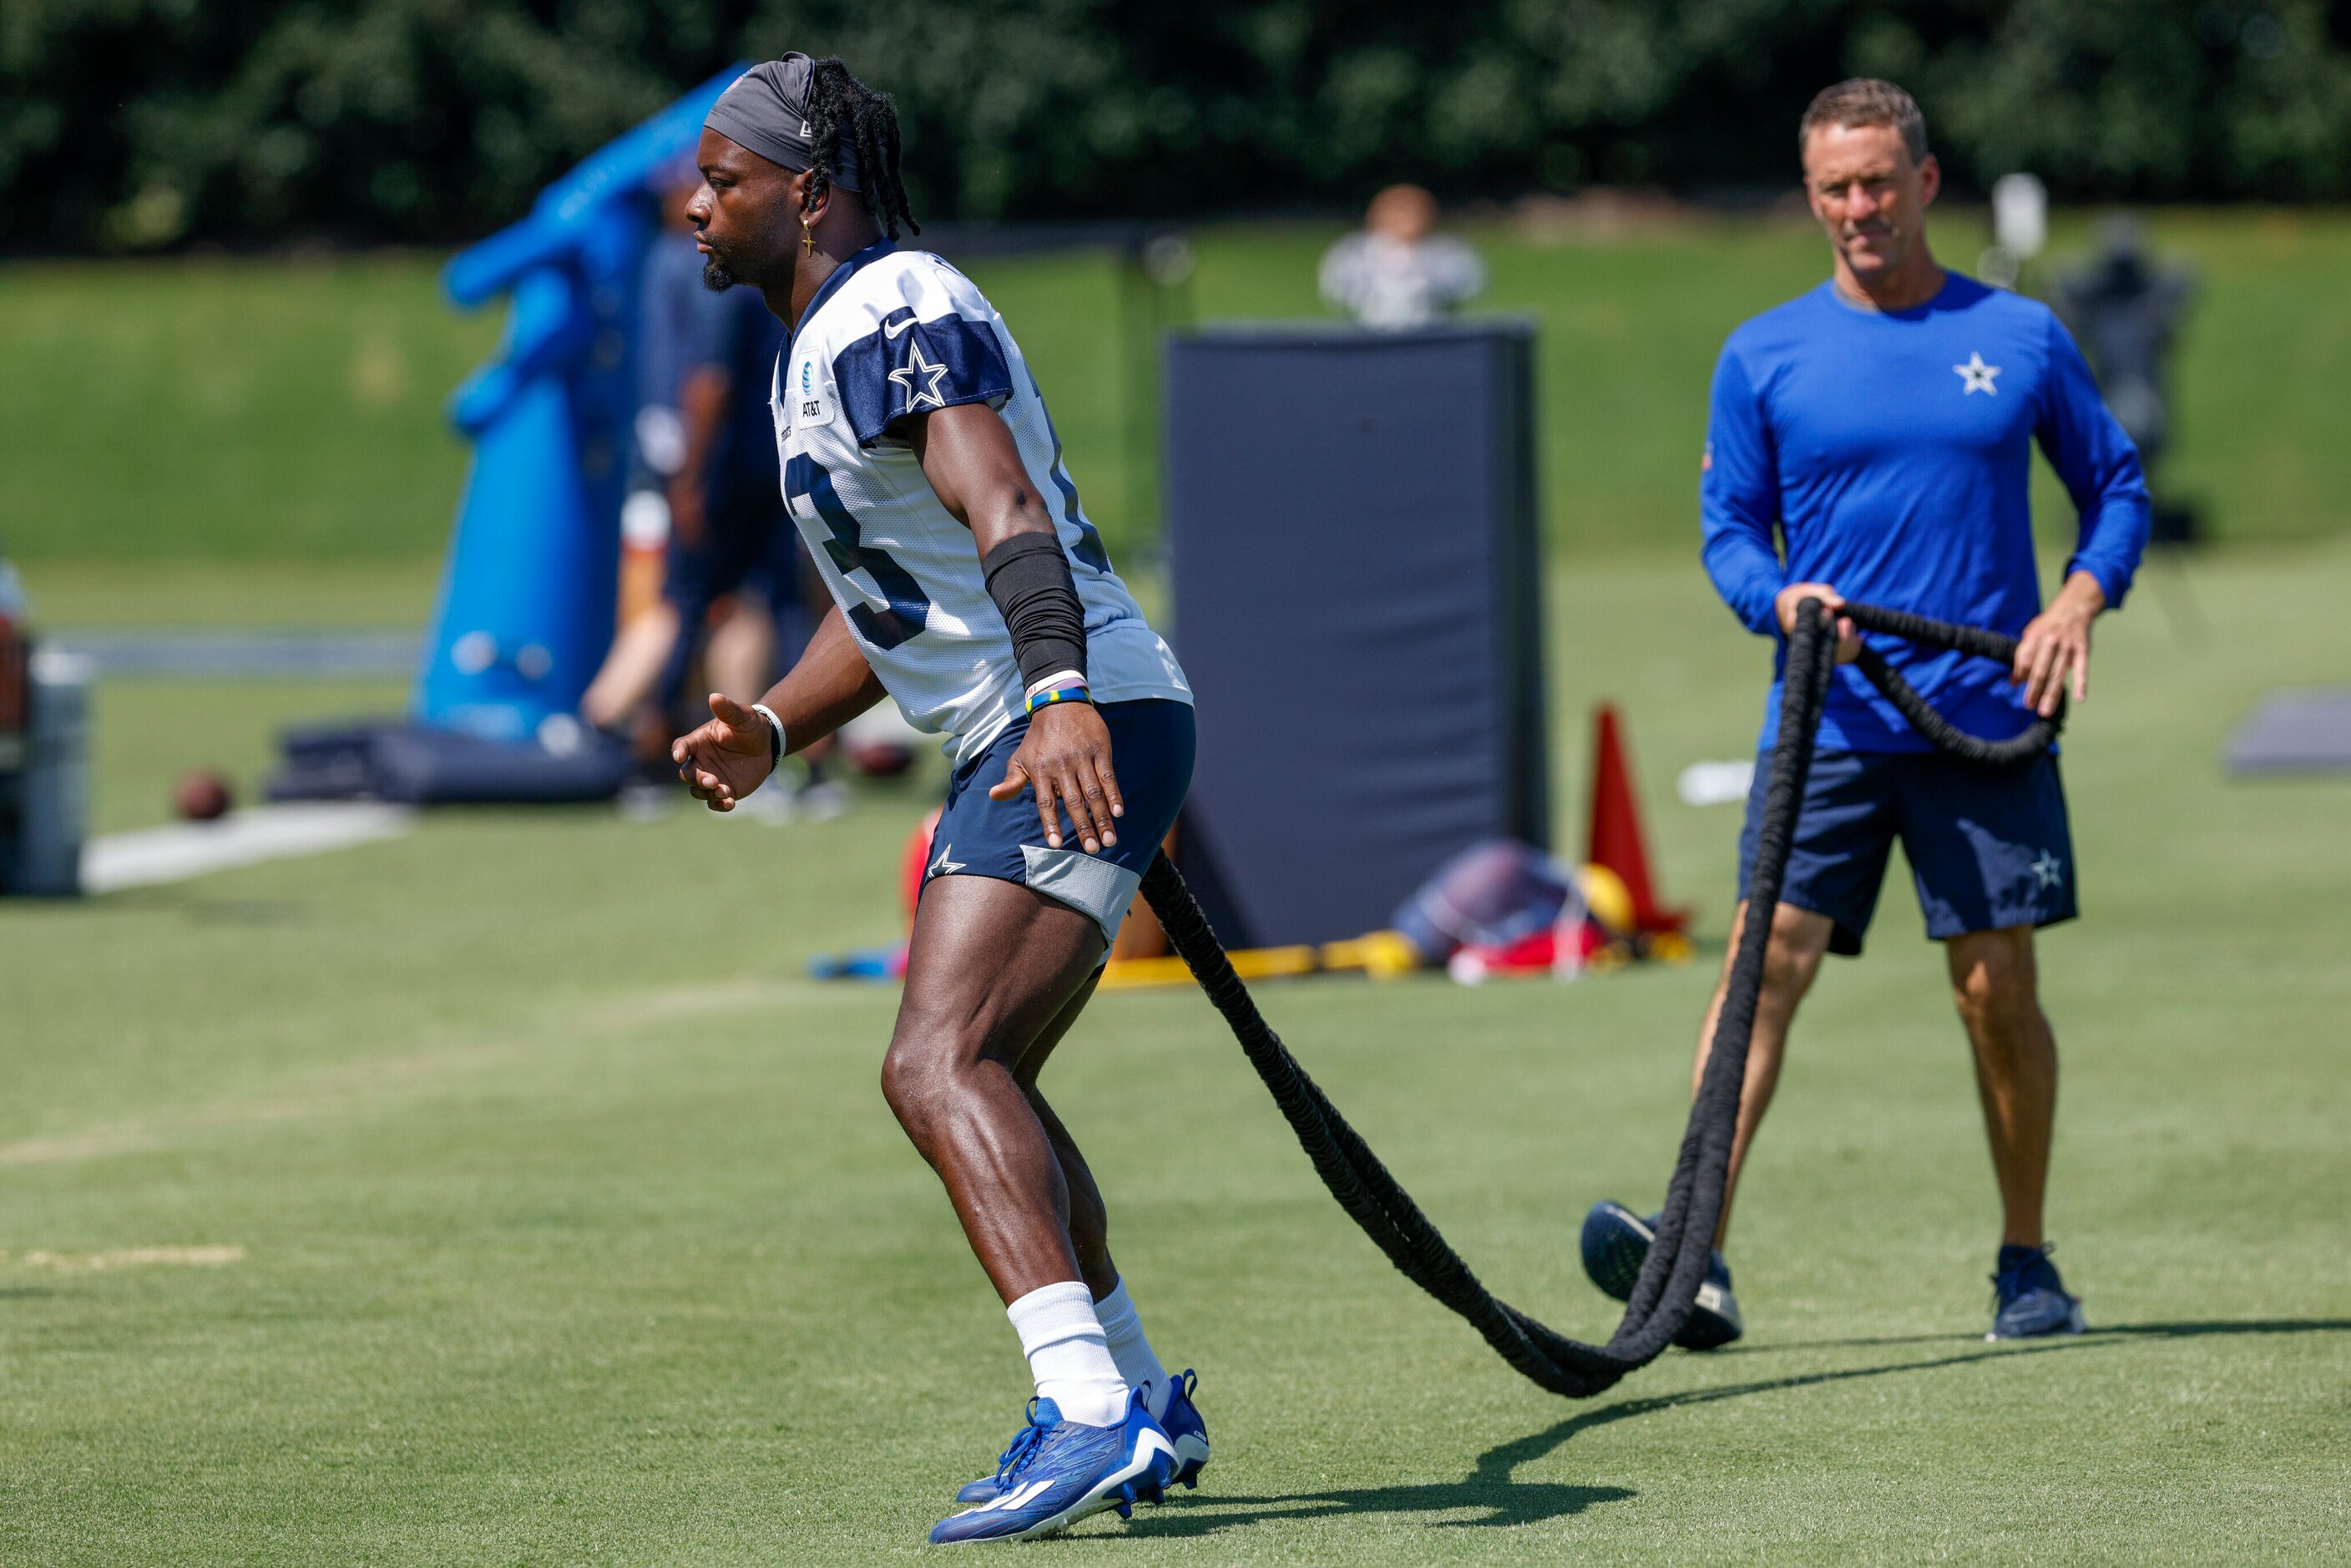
{"x":1975,"y":376}
{"x":2048,"y":871}
{"x":919,"y":367}
{"x":944,"y":866}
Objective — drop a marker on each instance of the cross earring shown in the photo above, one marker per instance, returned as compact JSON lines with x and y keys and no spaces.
{"x":808,"y":238}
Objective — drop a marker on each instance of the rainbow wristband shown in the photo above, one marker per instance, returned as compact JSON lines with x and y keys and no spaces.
{"x":1071,"y":691}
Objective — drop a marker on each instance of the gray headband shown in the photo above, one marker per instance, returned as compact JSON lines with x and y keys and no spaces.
{"x":767,"y":111}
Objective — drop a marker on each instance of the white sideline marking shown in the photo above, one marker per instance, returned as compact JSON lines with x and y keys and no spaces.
{"x":183,"y":849}
{"x":133,"y":1256}
{"x":378,"y":1082}
{"x":1715,"y":783}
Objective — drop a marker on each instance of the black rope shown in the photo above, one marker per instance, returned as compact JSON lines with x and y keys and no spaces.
{"x":1666,"y":1291}
{"x":1947,"y":736}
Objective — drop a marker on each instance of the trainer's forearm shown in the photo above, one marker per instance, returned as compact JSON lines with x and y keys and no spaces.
{"x":831,"y":685}
{"x":2083,"y":594}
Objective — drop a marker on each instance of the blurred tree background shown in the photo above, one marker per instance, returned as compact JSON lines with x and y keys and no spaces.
{"x":130,"y":125}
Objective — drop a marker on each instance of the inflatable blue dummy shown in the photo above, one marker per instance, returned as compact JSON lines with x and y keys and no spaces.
{"x":526,"y":606}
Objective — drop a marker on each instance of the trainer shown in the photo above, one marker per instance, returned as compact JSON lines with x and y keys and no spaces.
{"x":1881,"y":426}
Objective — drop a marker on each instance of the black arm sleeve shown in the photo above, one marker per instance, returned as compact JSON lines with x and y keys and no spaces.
{"x":1029,"y":578}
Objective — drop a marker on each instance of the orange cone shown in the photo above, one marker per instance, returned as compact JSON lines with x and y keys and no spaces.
{"x":1616,"y":840}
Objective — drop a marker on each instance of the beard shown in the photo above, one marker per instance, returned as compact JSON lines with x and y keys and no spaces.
{"x":715,"y":275}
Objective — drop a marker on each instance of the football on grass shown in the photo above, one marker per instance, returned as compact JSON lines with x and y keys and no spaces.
{"x":202,"y":796}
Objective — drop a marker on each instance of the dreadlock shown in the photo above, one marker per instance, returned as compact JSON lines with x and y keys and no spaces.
{"x":841,"y":107}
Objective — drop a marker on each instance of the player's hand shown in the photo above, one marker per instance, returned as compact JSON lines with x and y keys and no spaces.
{"x":726,"y":758}
{"x":2053,"y":652}
{"x":1848,"y":645}
{"x":1065,"y":757}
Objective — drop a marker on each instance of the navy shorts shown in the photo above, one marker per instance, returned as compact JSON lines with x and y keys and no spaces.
{"x":1988,"y":847}
{"x":1151,"y":746}
{"x":746,"y":539}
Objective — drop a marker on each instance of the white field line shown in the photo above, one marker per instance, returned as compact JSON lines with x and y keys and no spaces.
{"x":130,"y":1258}
{"x":184,"y":850}
{"x":381,"y":1081}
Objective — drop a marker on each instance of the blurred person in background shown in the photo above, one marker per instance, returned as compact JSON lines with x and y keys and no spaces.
{"x":2125,"y":306}
{"x":1879,"y":430}
{"x":703,"y":492}
{"x":1397,"y":271}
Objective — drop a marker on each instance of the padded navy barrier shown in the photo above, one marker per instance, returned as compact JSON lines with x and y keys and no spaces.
{"x":415,"y":765}
{"x":1351,"y":521}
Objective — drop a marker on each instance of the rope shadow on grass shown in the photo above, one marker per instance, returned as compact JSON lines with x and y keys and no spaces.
{"x":2182,"y":1329}
{"x":1489,"y":1486}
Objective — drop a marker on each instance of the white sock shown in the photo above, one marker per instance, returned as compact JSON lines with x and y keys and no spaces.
{"x":1137,"y":1362}
{"x":1068,"y":1353}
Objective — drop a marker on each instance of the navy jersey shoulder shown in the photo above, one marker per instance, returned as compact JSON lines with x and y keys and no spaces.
{"x":921,"y":339}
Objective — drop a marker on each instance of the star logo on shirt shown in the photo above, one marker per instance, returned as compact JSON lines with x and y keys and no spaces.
{"x":944,"y":866}
{"x":920,"y":367}
{"x":1975,"y":376}
{"x":2048,"y":871}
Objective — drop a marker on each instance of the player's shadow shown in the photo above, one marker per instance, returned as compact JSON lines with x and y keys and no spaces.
{"x":1489,"y":1487}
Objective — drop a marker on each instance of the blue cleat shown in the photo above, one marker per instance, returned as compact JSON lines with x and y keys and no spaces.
{"x":1187,"y":1430}
{"x":1057,"y":1472}
{"x":2029,"y":1300}
{"x":1182,"y":1423}
{"x":1616,"y":1243}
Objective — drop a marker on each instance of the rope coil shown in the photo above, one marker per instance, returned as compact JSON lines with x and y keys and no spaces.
{"x":1666,"y":1291}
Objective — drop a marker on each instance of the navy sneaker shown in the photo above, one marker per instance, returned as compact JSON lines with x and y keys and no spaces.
{"x":2029,"y":1300}
{"x":1057,"y":1472}
{"x":1187,"y":1430}
{"x":1616,"y":1243}
{"x":1182,"y":1423}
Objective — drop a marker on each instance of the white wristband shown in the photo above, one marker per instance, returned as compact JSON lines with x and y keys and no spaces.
{"x":1055,"y":679}
{"x":764,"y":711}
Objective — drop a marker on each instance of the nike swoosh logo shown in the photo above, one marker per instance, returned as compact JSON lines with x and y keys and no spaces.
{"x":898,"y":332}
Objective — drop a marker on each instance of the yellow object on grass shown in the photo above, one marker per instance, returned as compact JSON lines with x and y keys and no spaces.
{"x":1610,"y":901}
{"x":1383,"y":954}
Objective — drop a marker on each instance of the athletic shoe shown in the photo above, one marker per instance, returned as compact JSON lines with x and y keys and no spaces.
{"x":2029,"y":1298}
{"x":821,"y":800}
{"x":1057,"y":1472}
{"x":1616,"y":1243}
{"x":1187,"y":1430}
{"x":1182,"y":1423}
{"x":771,"y":805}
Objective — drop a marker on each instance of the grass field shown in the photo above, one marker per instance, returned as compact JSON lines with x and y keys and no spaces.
{"x":288,"y":413}
{"x":541,"y":1214}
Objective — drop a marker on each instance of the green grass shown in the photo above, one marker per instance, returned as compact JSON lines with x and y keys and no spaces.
{"x":220,"y":409}
{"x":574,"y":1230}
{"x":287,"y":413}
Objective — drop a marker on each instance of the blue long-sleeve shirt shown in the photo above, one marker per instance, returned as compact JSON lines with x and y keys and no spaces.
{"x":1890,"y":453}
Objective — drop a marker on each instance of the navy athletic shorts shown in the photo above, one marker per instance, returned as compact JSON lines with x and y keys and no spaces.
{"x":747,"y":537}
{"x":1151,"y":745}
{"x":1988,"y":847}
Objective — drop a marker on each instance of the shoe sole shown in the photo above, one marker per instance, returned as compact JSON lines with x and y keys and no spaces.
{"x":2075,"y":1322}
{"x":1616,"y":1264}
{"x":1191,"y":1459}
